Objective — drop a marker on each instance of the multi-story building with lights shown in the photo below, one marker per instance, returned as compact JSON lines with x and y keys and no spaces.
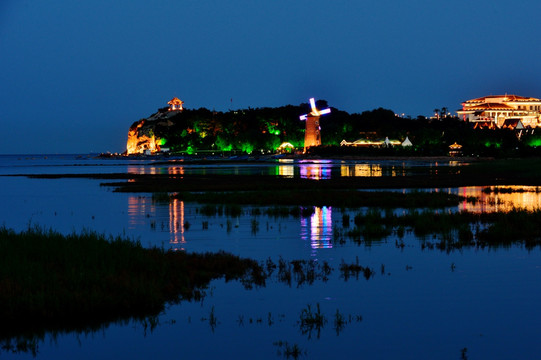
{"x":493,"y":110}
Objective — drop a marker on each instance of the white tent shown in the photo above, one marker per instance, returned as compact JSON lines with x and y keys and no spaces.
{"x":407,"y":142}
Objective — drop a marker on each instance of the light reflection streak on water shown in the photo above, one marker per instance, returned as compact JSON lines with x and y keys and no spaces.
{"x":363,"y":170}
{"x":316,"y":230}
{"x":527,"y":197}
{"x":176,"y":224}
{"x":176,"y":170}
{"x":319,"y":231}
{"x":315,"y":171}
{"x":519,"y":197}
{"x":138,"y":208}
{"x":286,"y":170}
{"x":148,"y":170}
{"x":141,"y":208}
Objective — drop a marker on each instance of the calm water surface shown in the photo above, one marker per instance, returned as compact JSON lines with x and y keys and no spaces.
{"x":421,"y":304}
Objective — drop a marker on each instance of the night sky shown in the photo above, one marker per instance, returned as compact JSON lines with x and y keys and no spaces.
{"x":75,"y":75}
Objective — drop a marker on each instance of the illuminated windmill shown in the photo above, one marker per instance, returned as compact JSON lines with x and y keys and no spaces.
{"x":312,"y":134}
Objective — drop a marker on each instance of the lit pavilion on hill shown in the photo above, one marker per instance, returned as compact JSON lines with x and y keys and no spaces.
{"x":175,"y":104}
{"x":494,"y":110}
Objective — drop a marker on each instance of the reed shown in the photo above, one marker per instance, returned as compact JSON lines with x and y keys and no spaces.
{"x":454,"y":229}
{"x":311,"y":320}
{"x":339,"y":322}
{"x":50,"y":281}
{"x":289,"y":350}
{"x":327,"y":197}
{"x":348,"y":270}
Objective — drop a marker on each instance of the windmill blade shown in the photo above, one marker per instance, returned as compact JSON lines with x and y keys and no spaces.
{"x":315,"y":111}
{"x":313,"y":105}
{"x":325,"y":111}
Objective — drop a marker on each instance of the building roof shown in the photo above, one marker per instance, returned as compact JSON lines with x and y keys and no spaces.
{"x":175,"y":101}
{"x":491,"y":106}
{"x":506,"y":98}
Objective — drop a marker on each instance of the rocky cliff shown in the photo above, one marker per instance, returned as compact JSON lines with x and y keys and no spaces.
{"x":191,"y":130}
{"x":150,"y":133}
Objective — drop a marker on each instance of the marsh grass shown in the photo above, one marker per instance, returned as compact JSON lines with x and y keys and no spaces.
{"x":326,"y":197}
{"x":50,"y":281}
{"x":339,"y":322}
{"x":254,"y":226}
{"x":212,"y":319}
{"x":288,"y":350}
{"x":453,"y":229}
{"x":311,"y":320}
{"x":348,"y":270}
{"x":510,"y":190}
{"x":300,"y":271}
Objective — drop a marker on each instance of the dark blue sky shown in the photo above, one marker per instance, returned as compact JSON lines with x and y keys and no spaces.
{"x":74,"y":75}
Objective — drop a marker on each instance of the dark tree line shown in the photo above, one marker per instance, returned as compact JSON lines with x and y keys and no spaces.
{"x":251,"y":130}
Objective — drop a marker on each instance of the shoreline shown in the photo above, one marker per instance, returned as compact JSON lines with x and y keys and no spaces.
{"x":494,"y":172}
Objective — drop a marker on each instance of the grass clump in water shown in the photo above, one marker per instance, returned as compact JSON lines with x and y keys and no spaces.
{"x":289,"y":350}
{"x":311,"y":320}
{"x":50,"y":281}
{"x":326,"y":197}
{"x":348,"y":270}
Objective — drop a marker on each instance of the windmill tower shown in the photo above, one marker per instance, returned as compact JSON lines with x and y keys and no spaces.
{"x":312,"y":134}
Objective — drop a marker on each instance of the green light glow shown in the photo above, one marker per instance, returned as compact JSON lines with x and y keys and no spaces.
{"x":247,"y":148}
{"x":161,"y":141}
{"x":497,"y":145}
{"x":534,"y":142}
{"x":272,"y":129}
{"x":190,"y":150}
{"x":222,"y":144}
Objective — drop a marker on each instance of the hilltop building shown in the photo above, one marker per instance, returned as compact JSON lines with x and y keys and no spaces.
{"x":175,"y":104}
{"x":493,"y":111}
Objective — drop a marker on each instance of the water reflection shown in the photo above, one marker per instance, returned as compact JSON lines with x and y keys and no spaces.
{"x":309,"y":169}
{"x":141,"y":208}
{"x":176,"y":224}
{"x":176,"y":170}
{"x":501,"y":198}
{"x":372,"y":170}
{"x":286,"y":168}
{"x":366,"y":170}
{"x":318,"y":228}
{"x":315,"y":171}
{"x":146,"y":170}
{"x":315,"y":229}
